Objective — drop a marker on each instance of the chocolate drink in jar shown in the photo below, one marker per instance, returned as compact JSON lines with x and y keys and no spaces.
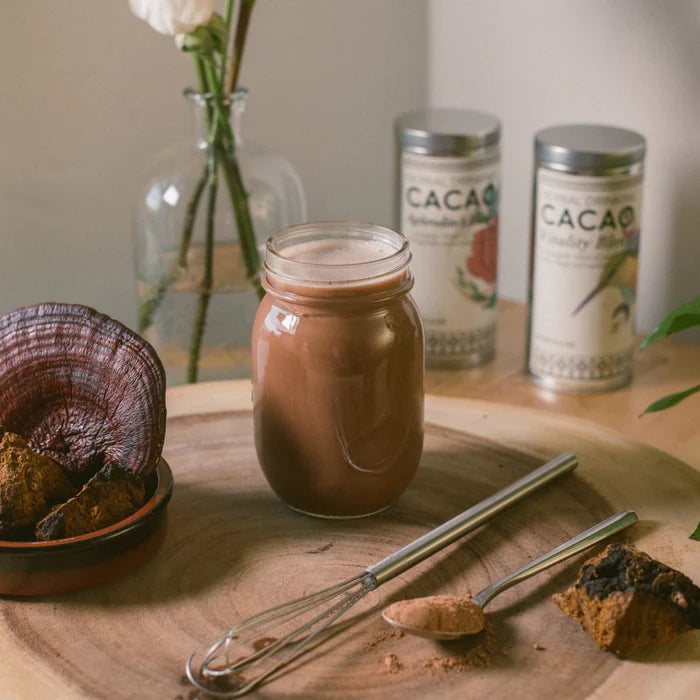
{"x":338,"y":369}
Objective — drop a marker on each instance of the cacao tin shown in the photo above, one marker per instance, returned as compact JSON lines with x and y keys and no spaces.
{"x":447,"y":192}
{"x":587,"y":202}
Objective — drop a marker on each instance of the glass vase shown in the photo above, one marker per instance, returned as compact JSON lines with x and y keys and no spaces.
{"x":197,"y":302}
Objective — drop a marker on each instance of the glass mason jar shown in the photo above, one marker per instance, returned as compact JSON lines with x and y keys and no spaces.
{"x":172,"y":263}
{"x":338,"y":356}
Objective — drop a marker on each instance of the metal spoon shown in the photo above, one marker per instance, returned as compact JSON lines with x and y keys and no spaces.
{"x":471,"y":608}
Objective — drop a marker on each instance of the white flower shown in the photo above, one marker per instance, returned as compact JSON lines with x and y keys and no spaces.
{"x":173,"y":16}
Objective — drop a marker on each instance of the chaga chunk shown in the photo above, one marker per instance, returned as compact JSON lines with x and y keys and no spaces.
{"x":109,"y":496}
{"x":625,"y":599}
{"x":29,"y":485}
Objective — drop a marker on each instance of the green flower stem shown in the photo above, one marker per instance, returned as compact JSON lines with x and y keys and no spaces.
{"x":221,"y":152}
{"x":207,"y":278}
{"x":246,"y":234}
{"x":228,"y":49}
{"x":151,"y":304}
{"x":235,"y":187}
{"x":202,"y":80}
{"x":215,"y":89}
{"x":190,"y":216}
{"x":221,"y":108}
{"x":204,"y":88}
{"x":239,"y":44}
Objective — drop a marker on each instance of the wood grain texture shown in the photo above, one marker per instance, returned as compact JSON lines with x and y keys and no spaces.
{"x":233,"y":549}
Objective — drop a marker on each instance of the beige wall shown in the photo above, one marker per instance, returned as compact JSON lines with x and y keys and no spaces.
{"x":635,"y":63}
{"x":89,"y":93}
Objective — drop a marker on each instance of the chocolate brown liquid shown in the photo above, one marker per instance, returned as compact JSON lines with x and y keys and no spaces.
{"x":338,"y":394}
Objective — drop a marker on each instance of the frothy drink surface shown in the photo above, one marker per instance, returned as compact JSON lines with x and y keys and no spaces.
{"x":345,"y":252}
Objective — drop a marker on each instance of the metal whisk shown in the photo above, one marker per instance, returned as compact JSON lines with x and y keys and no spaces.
{"x":223,"y":669}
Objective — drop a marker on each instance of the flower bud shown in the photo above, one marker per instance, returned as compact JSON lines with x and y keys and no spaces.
{"x":173,"y":16}
{"x":199,"y":40}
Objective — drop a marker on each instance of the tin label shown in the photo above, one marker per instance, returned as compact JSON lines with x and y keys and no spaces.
{"x":449,"y":213}
{"x":586,"y":242}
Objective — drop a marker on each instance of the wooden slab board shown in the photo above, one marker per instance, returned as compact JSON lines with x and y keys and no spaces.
{"x":233,"y":549}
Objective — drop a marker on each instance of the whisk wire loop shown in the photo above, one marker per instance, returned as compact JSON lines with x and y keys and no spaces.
{"x":217,"y":662}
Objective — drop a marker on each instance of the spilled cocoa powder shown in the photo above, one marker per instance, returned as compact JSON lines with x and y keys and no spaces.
{"x":392,"y":663}
{"x":320,"y":549}
{"x":385,"y":635}
{"x":472,"y":652}
{"x":476,"y":651}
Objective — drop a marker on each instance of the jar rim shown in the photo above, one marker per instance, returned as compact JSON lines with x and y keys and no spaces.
{"x":308,"y":273}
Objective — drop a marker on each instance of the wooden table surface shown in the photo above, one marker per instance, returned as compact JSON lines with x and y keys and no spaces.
{"x":63,"y":646}
{"x":660,"y":369}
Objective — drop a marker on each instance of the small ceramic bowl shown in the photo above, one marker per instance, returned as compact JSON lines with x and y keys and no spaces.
{"x":91,"y":560}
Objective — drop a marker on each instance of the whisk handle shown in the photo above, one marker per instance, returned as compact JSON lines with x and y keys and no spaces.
{"x":470,"y":519}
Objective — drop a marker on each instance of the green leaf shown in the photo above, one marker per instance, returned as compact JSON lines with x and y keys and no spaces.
{"x":685,"y":316}
{"x":696,"y":534}
{"x":218,"y":31}
{"x":477,"y":294}
{"x":670,"y":400}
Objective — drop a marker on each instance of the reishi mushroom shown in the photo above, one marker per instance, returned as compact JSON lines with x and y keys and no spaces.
{"x":81,"y":388}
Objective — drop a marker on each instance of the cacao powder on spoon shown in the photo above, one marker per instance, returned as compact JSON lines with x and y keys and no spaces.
{"x":436,"y":617}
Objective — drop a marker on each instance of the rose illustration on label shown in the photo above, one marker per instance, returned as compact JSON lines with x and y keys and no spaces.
{"x":620,"y":271}
{"x":482,"y":263}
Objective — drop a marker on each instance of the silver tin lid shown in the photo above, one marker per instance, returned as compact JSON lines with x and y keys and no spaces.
{"x":589,"y":147}
{"x":447,"y":131}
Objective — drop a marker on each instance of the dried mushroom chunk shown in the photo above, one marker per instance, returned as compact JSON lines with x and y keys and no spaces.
{"x":108,"y":497}
{"x":625,"y":599}
{"x":81,"y":388}
{"x":29,"y":485}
